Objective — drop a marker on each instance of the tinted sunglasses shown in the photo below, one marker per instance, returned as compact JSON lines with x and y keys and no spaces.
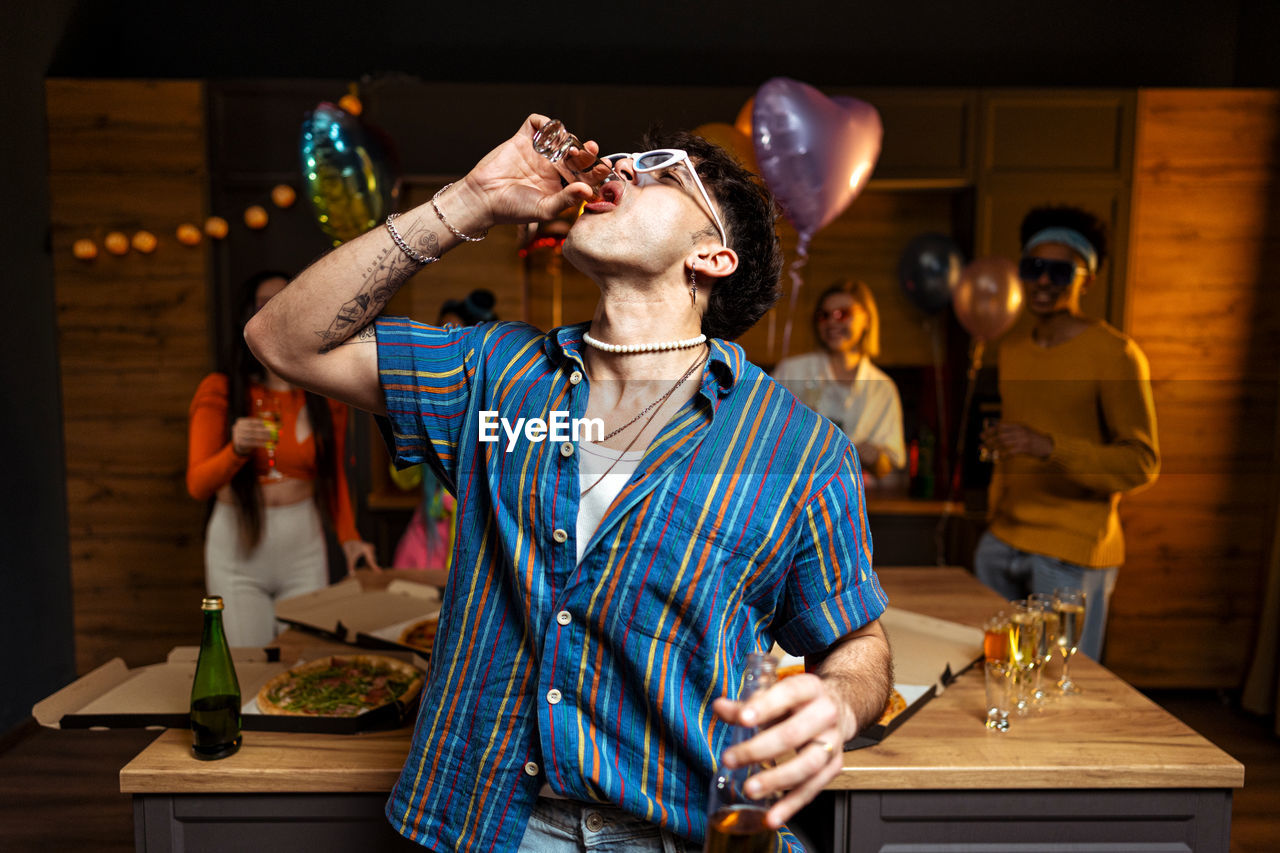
{"x":650,"y":166}
{"x":838,"y":314}
{"x":1060,"y":273}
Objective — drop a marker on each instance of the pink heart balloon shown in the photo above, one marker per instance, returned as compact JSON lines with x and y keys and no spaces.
{"x":815,"y":153}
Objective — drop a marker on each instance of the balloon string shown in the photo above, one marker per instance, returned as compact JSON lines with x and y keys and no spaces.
{"x":976,"y":348}
{"x":793,"y":270}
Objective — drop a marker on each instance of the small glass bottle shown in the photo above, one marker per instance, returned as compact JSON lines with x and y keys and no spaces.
{"x":215,"y":692}
{"x":558,"y":145}
{"x":735,"y":821}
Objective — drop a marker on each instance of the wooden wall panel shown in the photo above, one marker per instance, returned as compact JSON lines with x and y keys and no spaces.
{"x":1203,"y":304}
{"x":133,"y":343}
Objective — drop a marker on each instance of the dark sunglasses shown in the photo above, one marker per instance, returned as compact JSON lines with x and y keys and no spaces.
{"x":839,"y":315}
{"x":1061,"y":273}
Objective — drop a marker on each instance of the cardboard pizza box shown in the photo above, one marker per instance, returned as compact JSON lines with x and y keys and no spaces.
{"x":388,"y":636}
{"x":347,"y":609}
{"x":159,"y":695}
{"x":928,"y":654}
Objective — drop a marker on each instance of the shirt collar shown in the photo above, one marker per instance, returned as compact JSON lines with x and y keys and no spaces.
{"x":724,"y":365}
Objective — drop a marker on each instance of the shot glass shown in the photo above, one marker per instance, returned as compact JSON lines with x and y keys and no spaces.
{"x":999,"y":695}
{"x":571,"y":158}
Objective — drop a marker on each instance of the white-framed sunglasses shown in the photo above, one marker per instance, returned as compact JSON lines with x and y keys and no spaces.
{"x":647,"y":163}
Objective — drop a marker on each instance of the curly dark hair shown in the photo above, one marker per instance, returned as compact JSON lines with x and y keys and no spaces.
{"x":1064,"y":216}
{"x":747,"y":208}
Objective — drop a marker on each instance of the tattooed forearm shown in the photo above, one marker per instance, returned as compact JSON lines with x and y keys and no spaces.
{"x":383,"y":277}
{"x":367,"y":335}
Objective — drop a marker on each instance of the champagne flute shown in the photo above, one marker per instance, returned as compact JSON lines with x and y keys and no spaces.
{"x":1026,"y":626}
{"x":1069,"y":604}
{"x":271,"y":419}
{"x":1043,"y":603}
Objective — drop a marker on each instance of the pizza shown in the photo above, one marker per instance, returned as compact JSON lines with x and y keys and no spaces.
{"x":421,"y":635}
{"x":340,"y":686}
{"x":895,"y":706}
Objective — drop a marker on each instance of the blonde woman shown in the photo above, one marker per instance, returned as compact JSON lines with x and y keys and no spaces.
{"x":841,"y":382}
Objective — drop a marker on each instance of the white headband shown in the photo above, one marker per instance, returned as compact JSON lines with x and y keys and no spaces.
{"x":1070,"y":238}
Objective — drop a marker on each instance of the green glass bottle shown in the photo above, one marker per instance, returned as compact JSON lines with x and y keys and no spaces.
{"x":215,"y":692}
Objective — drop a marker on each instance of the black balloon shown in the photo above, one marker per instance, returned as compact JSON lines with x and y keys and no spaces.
{"x":929,"y":271}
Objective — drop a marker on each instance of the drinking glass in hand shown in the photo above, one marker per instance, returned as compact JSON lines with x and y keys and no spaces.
{"x":1042,"y":602}
{"x":271,"y":419}
{"x":571,"y":158}
{"x":1069,"y":605}
{"x":987,"y":451}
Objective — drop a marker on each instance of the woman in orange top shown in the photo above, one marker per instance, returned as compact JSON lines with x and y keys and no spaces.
{"x":271,"y":454}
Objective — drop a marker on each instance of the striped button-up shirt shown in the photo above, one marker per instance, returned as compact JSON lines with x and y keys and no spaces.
{"x":742,"y":525}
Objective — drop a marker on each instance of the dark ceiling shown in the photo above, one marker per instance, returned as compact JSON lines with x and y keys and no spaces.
{"x":899,"y":42}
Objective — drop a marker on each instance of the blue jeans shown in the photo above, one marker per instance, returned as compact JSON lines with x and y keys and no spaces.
{"x":1016,"y":574}
{"x":569,"y":826}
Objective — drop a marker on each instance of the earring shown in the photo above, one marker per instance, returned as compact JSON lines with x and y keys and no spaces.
{"x":693,"y":288}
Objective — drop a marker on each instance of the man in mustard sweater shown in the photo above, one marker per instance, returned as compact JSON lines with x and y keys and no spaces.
{"x":1078,"y":430}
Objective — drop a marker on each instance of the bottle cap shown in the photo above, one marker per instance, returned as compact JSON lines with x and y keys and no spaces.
{"x":211,"y":602}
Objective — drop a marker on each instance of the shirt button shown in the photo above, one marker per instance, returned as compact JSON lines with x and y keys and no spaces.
{"x":575,"y":377}
{"x":559,"y":535}
{"x":531,"y":767}
{"x":595,"y":822}
{"x":553,"y":696}
{"x":566,"y":448}
{"x":564,"y":617}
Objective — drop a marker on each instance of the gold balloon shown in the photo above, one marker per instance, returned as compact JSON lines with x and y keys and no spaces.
{"x":732,"y":140}
{"x":988,"y":298}
{"x":743,"y":121}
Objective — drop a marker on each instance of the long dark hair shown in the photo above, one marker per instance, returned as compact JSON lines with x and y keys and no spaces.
{"x":242,"y":369}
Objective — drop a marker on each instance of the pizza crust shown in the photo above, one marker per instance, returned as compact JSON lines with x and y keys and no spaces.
{"x":413,"y":635}
{"x":404,"y":670}
{"x":895,"y":706}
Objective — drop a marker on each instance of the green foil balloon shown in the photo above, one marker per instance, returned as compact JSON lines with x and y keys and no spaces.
{"x":346,"y":170}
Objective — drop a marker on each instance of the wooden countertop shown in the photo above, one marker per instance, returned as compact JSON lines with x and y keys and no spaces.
{"x":1111,"y":736}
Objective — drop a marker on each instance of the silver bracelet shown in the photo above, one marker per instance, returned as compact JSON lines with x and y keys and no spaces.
{"x":456,"y":232}
{"x":410,"y":252}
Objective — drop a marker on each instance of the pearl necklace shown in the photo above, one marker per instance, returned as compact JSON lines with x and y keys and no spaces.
{"x":660,"y":346}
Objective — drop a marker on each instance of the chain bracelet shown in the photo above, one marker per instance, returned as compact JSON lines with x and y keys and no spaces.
{"x":468,"y":238}
{"x":410,"y":252}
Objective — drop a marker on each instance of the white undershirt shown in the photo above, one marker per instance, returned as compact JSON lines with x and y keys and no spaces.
{"x":593,"y":461}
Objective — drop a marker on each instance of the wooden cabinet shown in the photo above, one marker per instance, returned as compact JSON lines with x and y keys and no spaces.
{"x":1058,"y":147}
